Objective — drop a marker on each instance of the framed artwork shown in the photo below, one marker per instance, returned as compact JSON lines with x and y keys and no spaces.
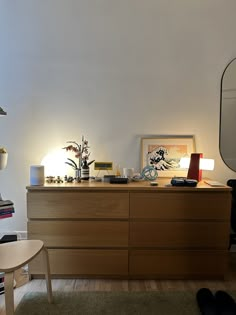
{"x":164,"y":153}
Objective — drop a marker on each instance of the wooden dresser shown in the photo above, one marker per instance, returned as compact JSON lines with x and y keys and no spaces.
{"x":131,"y":230}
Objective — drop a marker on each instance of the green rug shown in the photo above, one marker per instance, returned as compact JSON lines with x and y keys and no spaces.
{"x":112,"y":303}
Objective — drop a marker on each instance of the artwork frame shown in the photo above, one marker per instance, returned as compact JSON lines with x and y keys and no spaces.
{"x":154,"y":151}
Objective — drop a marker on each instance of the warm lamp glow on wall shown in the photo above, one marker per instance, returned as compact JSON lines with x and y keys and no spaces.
{"x":196,"y":164}
{"x":54,"y":163}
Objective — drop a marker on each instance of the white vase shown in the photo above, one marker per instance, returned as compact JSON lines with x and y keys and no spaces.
{"x":3,"y":160}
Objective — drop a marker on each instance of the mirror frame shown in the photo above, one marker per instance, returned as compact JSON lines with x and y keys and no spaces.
{"x":220,"y":124}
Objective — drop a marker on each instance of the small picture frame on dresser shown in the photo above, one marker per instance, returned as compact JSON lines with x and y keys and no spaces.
{"x":164,"y":152}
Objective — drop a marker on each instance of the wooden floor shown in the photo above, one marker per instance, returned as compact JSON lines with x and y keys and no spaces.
{"x":23,"y":285}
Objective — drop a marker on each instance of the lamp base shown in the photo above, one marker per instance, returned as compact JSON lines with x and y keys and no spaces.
{"x":194,"y":171}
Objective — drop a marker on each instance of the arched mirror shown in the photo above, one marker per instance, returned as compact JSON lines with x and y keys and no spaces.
{"x":228,"y":116}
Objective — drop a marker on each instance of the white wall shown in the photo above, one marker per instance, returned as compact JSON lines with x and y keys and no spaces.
{"x":113,"y":71}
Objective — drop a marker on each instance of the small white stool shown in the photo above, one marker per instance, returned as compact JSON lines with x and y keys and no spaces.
{"x":14,"y":255}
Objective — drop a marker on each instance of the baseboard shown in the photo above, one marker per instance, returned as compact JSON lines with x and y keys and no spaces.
{"x":233,"y":248}
{"x":21,"y":235}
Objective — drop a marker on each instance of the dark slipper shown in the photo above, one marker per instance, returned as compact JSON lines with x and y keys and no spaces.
{"x":206,"y":302}
{"x":225,"y":303}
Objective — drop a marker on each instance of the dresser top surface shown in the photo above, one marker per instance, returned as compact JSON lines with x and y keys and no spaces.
{"x":163,"y":185}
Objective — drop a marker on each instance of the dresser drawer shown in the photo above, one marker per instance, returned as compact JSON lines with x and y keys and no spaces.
{"x":68,"y":205}
{"x":179,"y":264}
{"x":79,"y":233}
{"x":77,"y":262}
{"x":181,"y":205}
{"x":179,"y":234}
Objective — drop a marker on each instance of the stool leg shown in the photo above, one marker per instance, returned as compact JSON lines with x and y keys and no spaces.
{"x":9,"y":294}
{"x":47,"y":274}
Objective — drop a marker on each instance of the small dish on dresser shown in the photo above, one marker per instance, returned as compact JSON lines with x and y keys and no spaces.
{"x":137,"y":178}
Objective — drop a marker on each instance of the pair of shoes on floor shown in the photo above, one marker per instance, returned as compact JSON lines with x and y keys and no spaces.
{"x":220,"y":303}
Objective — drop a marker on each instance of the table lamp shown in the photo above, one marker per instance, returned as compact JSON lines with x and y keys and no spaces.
{"x":196,"y":164}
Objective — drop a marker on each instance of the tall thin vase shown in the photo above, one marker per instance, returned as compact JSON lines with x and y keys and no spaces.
{"x":78,"y":175}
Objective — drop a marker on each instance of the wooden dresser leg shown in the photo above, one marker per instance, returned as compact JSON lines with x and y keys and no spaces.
{"x":47,"y":274}
{"x":9,"y":294}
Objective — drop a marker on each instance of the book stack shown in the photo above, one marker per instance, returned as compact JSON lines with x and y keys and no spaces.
{"x":1,"y":282}
{"x":6,"y":209}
